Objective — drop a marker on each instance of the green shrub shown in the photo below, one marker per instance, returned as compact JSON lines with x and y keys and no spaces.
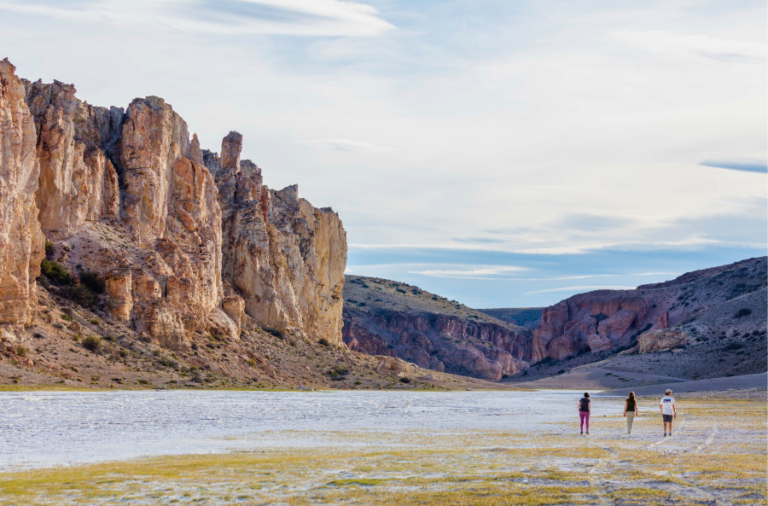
{"x":55,"y":272}
{"x":50,"y":248}
{"x":275,"y":332}
{"x":21,"y":351}
{"x":745,"y":311}
{"x":167,"y":362}
{"x":340,"y":369}
{"x":92,"y":343}
{"x":79,"y":295}
{"x":92,"y":281}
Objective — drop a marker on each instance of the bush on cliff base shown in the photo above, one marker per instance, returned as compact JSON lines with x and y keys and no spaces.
{"x":92,"y":281}
{"x":55,"y":272}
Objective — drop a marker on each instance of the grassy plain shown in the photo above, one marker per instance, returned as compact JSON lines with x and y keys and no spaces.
{"x":717,"y":456}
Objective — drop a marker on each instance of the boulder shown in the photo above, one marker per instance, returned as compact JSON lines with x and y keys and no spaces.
{"x":658,"y":340}
{"x":392,"y":365}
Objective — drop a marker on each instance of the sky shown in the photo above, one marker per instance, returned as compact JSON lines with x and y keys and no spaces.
{"x":502,"y":153}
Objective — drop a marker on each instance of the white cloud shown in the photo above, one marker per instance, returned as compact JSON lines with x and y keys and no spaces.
{"x":673,"y":44}
{"x":347,"y":145}
{"x":529,"y":130}
{"x":471,"y":272}
{"x":224,"y":17}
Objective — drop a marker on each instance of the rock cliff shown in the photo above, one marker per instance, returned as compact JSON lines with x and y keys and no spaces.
{"x":21,"y":239}
{"x":613,"y":319}
{"x":696,"y":311}
{"x":175,"y":242}
{"x":383,"y":317}
{"x":283,"y":256}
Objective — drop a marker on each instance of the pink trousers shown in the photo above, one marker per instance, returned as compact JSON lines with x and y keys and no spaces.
{"x":584,"y":417}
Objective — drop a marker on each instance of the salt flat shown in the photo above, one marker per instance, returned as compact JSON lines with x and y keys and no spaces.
{"x":374,"y":448}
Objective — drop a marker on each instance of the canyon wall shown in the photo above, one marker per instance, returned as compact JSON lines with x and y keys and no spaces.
{"x":383,"y":317}
{"x":612,"y":319}
{"x":283,"y":256}
{"x":184,"y":243}
{"x":21,"y":239}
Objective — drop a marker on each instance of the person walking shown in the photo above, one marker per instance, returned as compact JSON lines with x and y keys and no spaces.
{"x":630,"y":411}
{"x":585,"y":408}
{"x":668,"y":411}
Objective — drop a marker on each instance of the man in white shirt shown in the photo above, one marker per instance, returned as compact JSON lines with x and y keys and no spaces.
{"x":668,"y":411}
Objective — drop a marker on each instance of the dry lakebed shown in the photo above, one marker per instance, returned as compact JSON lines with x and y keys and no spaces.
{"x":484,"y":448}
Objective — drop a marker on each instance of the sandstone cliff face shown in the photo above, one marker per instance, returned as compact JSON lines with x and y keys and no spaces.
{"x":386,"y":318}
{"x":597,"y":320}
{"x":283,"y":256}
{"x":21,"y":240}
{"x":78,"y":182}
{"x":126,"y":196}
{"x":609,"y":319}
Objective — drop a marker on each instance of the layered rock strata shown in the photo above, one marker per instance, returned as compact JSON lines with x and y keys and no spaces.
{"x":181,"y":250}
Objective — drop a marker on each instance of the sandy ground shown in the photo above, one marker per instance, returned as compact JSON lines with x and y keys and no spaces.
{"x":717,"y":456}
{"x":715,"y":384}
{"x":599,"y":378}
{"x":619,"y":381}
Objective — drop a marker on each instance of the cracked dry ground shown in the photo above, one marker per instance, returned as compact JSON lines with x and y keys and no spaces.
{"x":717,"y":456}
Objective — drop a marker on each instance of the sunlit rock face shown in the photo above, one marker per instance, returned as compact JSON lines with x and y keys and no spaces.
{"x":283,"y":256}
{"x":126,"y":195}
{"x":21,"y":239}
{"x":78,"y":181}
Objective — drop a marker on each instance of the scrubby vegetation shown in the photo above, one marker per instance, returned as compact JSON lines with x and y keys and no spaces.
{"x":55,"y":272}
{"x":92,"y":281}
{"x":92,"y":343}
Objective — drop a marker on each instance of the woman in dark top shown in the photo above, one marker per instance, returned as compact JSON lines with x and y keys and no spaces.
{"x":630,"y":411}
{"x":585,"y":408}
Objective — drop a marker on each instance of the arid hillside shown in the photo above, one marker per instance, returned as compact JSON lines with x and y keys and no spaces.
{"x":383,"y":317}
{"x":699,"y":305}
{"x":529,"y":317}
{"x":703,"y":324}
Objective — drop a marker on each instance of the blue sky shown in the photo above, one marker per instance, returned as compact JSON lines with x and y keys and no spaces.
{"x":498,"y":152}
